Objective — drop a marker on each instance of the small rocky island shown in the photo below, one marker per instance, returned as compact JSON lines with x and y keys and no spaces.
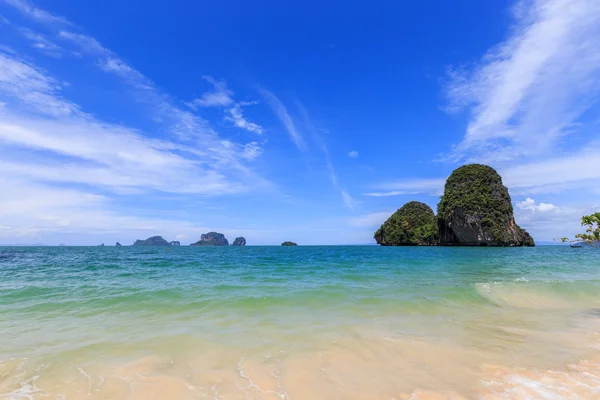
{"x":239,"y":241}
{"x":175,"y":243}
{"x":152,"y":241}
{"x":212,"y":239}
{"x":289,"y":244}
{"x":118,"y":244}
{"x":475,"y":210}
{"x":414,"y":224}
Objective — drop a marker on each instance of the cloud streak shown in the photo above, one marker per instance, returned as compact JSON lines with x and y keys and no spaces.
{"x":529,"y":91}
{"x":221,"y":96}
{"x":284,"y":117}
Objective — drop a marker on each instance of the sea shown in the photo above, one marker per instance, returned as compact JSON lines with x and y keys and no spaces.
{"x":306,"y":322}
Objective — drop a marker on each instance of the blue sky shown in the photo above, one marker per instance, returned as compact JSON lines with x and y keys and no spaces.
{"x":309,"y":122}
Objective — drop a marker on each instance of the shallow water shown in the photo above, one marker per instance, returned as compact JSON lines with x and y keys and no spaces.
{"x":360,"y":322}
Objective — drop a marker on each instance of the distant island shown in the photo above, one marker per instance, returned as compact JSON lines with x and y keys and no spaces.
{"x":289,"y":244}
{"x":475,"y":210}
{"x":152,"y":241}
{"x":212,"y":239}
{"x":239,"y":241}
{"x":206,"y":239}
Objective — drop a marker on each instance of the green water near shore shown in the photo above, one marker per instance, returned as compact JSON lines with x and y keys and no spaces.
{"x":206,"y":310}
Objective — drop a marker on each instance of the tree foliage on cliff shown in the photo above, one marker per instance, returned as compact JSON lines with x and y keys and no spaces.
{"x":414,"y":224}
{"x":477,"y":191}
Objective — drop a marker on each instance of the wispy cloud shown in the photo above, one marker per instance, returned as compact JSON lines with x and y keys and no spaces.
{"x":530,"y":90}
{"x":410,"y":186}
{"x":552,"y":175}
{"x":32,"y":87}
{"x":4,"y":20}
{"x":391,"y":193}
{"x":370,"y":220}
{"x":42,"y":43}
{"x":236,"y":116}
{"x":353,"y":154}
{"x":221,"y":96}
{"x":284,"y":117}
{"x":252,"y":151}
{"x":349,"y":202}
{"x":35,"y":13}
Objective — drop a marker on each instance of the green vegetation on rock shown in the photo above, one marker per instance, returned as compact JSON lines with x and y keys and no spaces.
{"x":414,"y":224}
{"x":211,"y":239}
{"x":152,"y":241}
{"x":289,"y":244}
{"x":476,"y":209}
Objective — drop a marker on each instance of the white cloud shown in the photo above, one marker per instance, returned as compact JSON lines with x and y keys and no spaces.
{"x":370,"y":220}
{"x":72,"y":147}
{"x":410,"y":186}
{"x":546,"y":221}
{"x":284,"y":117}
{"x":182,"y":123}
{"x":531,"y":89}
{"x":4,"y":20}
{"x":221,"y":96}
{"x":36,"y":13}
{"x":42,"y":43}
{"x":353,"y":154}
{"x":576,"y":171}
{"x":32,"y":87}
{"x":391,"y":193}
{"x":252,"y":151}
{"x":237,"y":117}
{"x":529,"y":204}
{"x":348,"y":201}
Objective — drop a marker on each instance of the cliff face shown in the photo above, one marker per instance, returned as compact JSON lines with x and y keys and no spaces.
{"x":152,"y":241}
{"x":211,"y":239}
{"x":476,"y":210}
{"x":239,"y":241}
{"x":414,"y":224}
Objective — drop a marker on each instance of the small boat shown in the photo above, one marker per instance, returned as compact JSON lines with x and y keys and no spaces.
{"x":576,"y":245}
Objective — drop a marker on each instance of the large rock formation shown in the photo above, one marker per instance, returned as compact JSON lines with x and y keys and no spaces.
{"x":211,"y":239}
{"x":239,"y":241}
{"x":414,"y":224}
{"x":152,"y":241}
{"x":476,"y":210}
{"x":289,"y":244}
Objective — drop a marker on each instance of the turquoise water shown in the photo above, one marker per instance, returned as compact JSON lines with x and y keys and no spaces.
{"x":191,"y":317}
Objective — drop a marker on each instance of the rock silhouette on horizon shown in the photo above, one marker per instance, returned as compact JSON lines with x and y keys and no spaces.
{"x":211,"y":239}
{"x":175,"y":243}
{"x":289,"y":244}
{"x":118,"y":244}
{"x":152,"y":241}
{"x":239,"y":241}
{"x":414,"y":224}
